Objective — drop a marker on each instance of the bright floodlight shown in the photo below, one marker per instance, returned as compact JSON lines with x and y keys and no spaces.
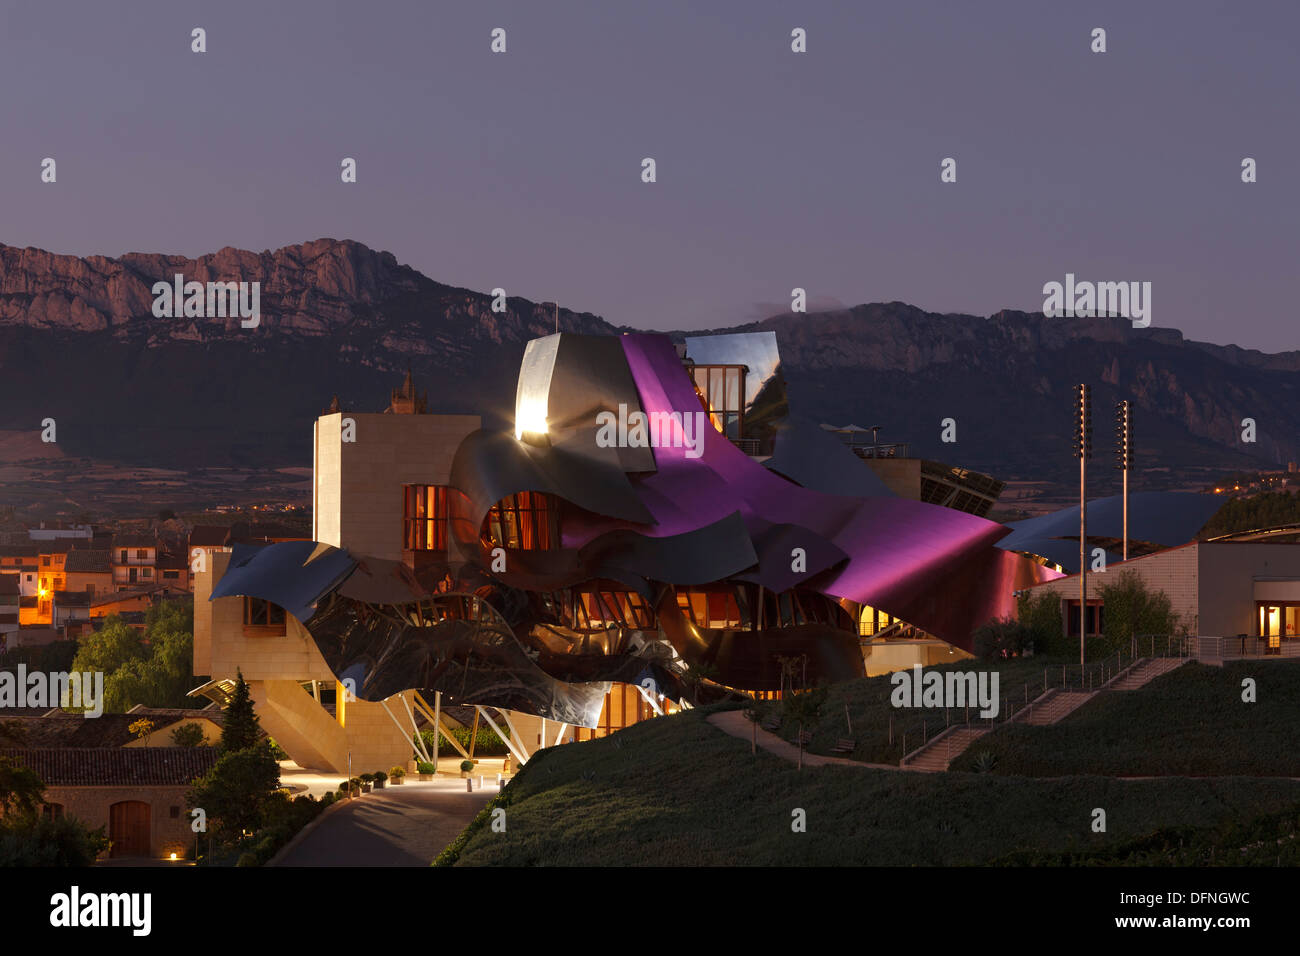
{"x":530,"y":418}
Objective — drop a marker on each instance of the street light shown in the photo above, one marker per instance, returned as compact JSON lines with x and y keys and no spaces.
{"x":1083,"y":451}
{"x":1124,"y":455}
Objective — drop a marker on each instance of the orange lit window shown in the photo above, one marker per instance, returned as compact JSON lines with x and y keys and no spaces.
{"x":424,"y":518}
{"x":721,"y":389}
{"x":715,"y":608}
{"x":528,"y":521}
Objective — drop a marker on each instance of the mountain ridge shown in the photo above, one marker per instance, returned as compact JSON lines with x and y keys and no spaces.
{"x":79,"y":342}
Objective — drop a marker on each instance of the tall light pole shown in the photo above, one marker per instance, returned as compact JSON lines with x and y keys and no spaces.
{"x":1083,"y":451}
{"x":1124,"y":454}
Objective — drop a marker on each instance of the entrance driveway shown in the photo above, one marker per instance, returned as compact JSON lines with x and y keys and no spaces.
{"x":397,"y":826}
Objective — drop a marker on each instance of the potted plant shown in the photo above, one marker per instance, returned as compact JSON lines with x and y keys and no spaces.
{"x":465,"y":767}
{"x":380,"y":779}
{"x":355,"y":784}
{"x":425,"y":770}
{"x":366,"y":779}
{"x":396,"y":775}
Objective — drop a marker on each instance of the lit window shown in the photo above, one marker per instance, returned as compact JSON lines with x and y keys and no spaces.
{"x":424,"y":518}
{"x":721,"y":389}
{"x":528,"y":521}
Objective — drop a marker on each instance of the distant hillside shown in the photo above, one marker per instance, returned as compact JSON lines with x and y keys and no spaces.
{"x":78,"y":343}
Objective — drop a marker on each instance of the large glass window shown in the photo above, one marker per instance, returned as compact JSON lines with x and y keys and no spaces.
{"x":528,"y":521}
{"x":716,"y":608}
{"x":598,"y":606}
{"x":722,"y":392}
{"x":424,"y":518}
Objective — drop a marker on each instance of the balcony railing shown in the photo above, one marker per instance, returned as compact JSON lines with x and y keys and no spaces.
{"x":750,"y":446}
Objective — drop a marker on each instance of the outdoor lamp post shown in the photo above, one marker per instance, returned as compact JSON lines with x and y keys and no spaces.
{"x":1083,"y":451}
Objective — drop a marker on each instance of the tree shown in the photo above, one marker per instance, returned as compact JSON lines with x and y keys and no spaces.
{"x":188,"y":735}
{"x":21,"y":790}
{"x":141,"y":728}
{"x":240,"y":729}
{"x":238,"y":789}
{"x":1040,"y":611}
{"x":113,"y":645}
{"x":152,"y":668}
{"x":1131,"y":608}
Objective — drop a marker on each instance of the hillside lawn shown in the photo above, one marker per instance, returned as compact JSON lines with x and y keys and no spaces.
{"x":675,"y":791}
{"x":869,"y":708}
{"x":1191,"y":721}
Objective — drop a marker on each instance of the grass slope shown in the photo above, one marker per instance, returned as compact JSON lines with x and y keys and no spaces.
{"x":676,"y":791}
{"x":1191,"y":721}
{"x":870,"y":710}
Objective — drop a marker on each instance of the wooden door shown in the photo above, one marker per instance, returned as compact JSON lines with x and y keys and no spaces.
{"x":128,"y":828}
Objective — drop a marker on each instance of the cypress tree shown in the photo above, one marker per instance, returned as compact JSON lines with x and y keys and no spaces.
{"x":240,"y":729}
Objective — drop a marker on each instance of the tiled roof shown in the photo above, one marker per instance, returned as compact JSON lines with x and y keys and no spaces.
{"x":55,"y":729}
{"x":72,"y":598}
{"x":134,"y":541}
{"x":117,"y":766}
{"x":88,"y":562}
{"x":116,"y":597}
{"x":19,"y":551}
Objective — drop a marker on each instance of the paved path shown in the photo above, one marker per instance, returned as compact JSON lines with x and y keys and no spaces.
{"x":735,"y":723}
{"x":396,"y":826}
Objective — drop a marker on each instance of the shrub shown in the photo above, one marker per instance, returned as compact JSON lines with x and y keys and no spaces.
{"x":805,"y":706}
{"x":486,"y":742}
{"x":61,"y":842}
{"x":379,"y":776}
{"x":367,"y":778}
{"x":1002,"y":638}
{"x":466,"y":766}
{"x":425,"y":767}
{"x":1040,"y":611}
{"x":985,"y":761}
{"x":397,"y":773}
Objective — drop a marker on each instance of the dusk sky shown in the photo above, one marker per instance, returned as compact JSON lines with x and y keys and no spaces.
{"x":775,"y":169}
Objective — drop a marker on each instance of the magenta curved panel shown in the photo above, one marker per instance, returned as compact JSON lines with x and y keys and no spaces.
{"x":932,"y":566}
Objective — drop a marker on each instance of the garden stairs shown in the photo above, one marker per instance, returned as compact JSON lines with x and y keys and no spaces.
{"x":1049,"y":708}
{"x":1145,"y":671}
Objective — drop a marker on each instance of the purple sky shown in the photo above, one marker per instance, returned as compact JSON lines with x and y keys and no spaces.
{"x":775,"y":170}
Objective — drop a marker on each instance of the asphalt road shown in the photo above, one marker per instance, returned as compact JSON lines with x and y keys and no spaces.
{"x":396,"y":826}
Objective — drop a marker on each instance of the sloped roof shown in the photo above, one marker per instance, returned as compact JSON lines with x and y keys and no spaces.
{"x":89,"y":562}
{"x":116,"y":766}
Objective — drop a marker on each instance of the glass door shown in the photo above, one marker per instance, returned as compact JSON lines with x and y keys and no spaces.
{"x":1270,"y":627}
